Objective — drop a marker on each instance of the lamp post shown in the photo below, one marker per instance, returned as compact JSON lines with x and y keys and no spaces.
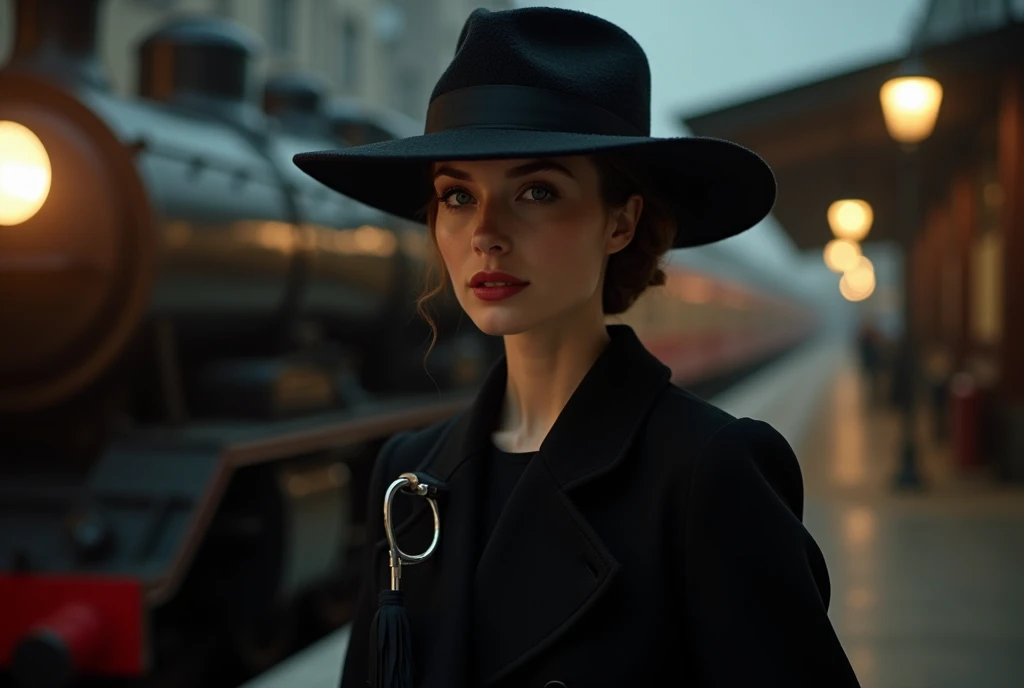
{"x":910,"y":105}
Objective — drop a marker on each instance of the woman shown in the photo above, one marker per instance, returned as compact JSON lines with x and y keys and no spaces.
{"x":601,"y":527}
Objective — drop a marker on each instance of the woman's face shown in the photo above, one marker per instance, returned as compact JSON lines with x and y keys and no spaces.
{"x":542,"y":224}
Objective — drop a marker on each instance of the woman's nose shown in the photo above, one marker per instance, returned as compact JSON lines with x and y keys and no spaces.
{"x":492,"y":246}
{"x":487,"y":241}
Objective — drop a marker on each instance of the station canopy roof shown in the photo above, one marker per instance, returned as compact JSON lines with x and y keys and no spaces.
{"x":827,"y":140}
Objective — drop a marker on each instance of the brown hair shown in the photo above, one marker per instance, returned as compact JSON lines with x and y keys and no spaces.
{"x":629,"y":272}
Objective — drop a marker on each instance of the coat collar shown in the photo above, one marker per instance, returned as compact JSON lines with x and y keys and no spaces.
{"x":544,"y":565}
{"x":614,"y":395}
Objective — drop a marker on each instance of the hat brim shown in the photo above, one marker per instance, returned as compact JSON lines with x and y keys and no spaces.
{"x":716,"y":188}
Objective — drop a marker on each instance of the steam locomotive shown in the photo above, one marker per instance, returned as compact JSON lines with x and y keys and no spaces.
{"x":202,"y":349}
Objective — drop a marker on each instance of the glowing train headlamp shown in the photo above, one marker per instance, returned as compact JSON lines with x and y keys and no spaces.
{"x":24,"y":173}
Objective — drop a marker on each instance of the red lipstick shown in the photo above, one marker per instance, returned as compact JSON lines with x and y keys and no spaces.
{"x":495,"y":286}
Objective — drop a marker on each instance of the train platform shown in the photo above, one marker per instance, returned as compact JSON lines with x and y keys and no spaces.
{"x":926,"y":585}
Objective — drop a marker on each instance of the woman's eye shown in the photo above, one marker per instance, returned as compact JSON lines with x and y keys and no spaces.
{"x":455,"y":198}
{"x":539,"y":194}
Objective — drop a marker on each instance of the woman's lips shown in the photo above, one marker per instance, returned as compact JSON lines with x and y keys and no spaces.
{"x":495,"y":285}
{"x":494,"y":278}
{"x":497,"y":292}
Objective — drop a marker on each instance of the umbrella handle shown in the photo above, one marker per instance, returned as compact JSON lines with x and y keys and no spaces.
{"x":412,"y":484}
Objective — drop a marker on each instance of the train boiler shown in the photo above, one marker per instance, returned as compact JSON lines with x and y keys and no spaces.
{"x":202,"y":349}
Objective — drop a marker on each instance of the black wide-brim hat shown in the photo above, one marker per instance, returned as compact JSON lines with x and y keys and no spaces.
{"x":540,"y":82}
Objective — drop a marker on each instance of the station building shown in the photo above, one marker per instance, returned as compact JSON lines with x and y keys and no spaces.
{"x":953,"y":204}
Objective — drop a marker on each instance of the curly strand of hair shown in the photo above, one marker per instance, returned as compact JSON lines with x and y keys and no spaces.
{"x":434,"y":282}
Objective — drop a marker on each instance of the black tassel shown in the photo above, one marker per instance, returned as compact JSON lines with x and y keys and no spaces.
{"x":390,"y":643}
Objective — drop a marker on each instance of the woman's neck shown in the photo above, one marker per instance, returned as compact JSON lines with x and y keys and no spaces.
{"x":544,"y":369}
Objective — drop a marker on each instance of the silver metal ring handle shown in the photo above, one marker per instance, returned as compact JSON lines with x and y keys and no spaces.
{"x":398,"y":557}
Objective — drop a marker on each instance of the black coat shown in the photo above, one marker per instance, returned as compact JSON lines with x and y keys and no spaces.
{"x":653,"y":540}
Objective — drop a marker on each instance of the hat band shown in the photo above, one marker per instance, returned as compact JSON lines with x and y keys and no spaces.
{"x":522,"y":107}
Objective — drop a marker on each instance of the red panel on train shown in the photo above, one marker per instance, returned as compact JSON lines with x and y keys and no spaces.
{"x":100,"y":620}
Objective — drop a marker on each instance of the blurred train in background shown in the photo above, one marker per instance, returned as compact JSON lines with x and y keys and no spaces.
{"x":202,"y":351}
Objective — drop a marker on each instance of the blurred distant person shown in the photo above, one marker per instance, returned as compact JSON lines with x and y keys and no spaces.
{"x":870,"y":347}
{"x":938,"y":370}
{"x":600,"y":526}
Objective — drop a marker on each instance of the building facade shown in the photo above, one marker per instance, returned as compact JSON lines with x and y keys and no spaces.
{"x":386,"y":53}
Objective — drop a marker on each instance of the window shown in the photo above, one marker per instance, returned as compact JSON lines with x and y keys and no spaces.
{"x":351,"y":39}
{"x":279,"y":25}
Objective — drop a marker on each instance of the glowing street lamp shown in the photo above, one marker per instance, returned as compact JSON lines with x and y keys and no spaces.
{"x":860,"y":276}
{"x":858,"y":282}
{"x":910,"y":104}
{"x":857,"y":292}
{"x":841,"y":254}
{"x":850,"y":218}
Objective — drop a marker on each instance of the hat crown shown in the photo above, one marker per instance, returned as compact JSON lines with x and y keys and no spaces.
{"x":563,"y":51}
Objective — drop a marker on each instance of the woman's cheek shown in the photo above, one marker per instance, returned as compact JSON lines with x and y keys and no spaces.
{"x":573,"y":237}
{"x":448,"y":248}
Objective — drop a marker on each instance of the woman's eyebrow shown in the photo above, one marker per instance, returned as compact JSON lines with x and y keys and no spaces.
{"x":542,"y":165}
{"x":446,"y":171}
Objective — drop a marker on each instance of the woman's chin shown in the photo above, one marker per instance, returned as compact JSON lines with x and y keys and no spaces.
{"x":499,"y":322}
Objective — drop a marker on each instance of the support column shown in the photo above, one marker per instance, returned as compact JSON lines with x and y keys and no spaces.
{"x":905,"y":372}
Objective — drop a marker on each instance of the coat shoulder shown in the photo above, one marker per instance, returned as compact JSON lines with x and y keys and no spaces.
{"x":682,"y":420}
{"x":684,"y":430}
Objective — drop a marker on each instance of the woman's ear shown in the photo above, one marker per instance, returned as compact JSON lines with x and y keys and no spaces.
{"x":622,"y":224}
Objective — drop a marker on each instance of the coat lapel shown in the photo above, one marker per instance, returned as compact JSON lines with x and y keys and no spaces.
{"x":544,"y":566}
